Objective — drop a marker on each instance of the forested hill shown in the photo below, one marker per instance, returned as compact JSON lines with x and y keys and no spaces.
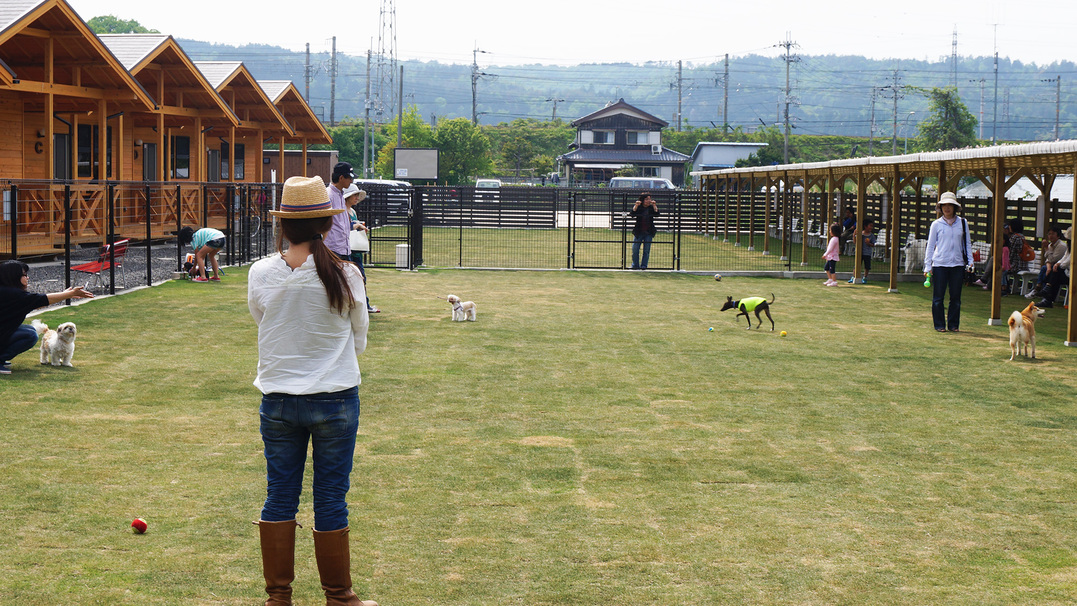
{"x":831,"y":95}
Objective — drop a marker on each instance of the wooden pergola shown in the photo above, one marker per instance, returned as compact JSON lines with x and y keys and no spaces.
{"x":999,"y":167}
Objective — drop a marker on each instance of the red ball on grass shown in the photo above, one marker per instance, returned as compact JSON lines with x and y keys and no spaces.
{"x":138,"y":526}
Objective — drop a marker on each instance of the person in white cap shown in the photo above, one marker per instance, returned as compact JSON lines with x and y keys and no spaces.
{"x":945,"y":259}
{"x":308,"y":305}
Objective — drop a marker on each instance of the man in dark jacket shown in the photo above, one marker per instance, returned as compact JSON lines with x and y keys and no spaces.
{"x":644,"y":210}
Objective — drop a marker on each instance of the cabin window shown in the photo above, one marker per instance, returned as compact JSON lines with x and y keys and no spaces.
{"x":88,"y":156}
{"x":180,"y":156}
{"x":650,"y":171}
{"x":225,"y":155}
{"x":636,"y":137}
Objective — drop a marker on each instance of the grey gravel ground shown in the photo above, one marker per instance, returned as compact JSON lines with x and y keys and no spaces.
{"x":49,"y":276}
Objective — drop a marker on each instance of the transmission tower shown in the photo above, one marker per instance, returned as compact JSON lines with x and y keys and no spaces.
{"x":384,"y":101}
{"x":953,"y":61}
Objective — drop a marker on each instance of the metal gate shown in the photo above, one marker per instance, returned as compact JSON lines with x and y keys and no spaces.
{"x":600,"y":230}
{"x":388,"y":211}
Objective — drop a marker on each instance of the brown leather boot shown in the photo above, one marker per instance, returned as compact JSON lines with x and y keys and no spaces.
{"x":278,"y":560}
{"x":334,"y":567}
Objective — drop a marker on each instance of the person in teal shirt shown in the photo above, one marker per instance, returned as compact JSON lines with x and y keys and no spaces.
{"x":206,"y":242}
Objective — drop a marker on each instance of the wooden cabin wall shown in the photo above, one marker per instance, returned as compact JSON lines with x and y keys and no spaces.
{"x":11,"y":145}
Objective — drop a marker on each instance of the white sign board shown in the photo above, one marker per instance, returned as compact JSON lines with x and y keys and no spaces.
{"x":416,"y":163}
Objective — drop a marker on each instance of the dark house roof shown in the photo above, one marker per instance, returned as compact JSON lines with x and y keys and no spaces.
{"x":620,"y":108}
{"x":625,"y":156}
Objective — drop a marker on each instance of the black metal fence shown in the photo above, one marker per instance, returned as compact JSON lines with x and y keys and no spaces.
{"x":510,"y":227}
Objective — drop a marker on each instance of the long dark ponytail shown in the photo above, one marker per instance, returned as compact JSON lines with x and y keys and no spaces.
{"x":330,"y":267}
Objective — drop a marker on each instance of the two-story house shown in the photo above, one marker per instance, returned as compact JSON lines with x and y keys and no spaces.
{"x":619,"y":136}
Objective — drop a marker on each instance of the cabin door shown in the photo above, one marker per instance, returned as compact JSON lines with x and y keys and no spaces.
{"x":149,"y":162}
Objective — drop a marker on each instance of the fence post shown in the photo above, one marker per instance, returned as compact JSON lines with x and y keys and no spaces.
{"x":415,"y":227}
{"x":677,"y":233}
{"x":67,"y":239}
{"x":14,"y":221}
{"x":179,"y":226}
{"x":149,"y":239}
{"x":111,"y":239}
{"x":569,"y":223}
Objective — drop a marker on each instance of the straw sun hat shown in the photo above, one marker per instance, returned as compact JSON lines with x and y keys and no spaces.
{"x":947,"y":197}
{"x":305,"y":198}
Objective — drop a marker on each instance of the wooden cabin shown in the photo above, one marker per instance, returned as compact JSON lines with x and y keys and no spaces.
{"x":128,"y":123}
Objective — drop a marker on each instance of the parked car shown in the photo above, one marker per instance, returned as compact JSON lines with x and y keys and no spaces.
{"x":640,"y":183}
{"x":388,"y":201}
{"x":487,"y":189}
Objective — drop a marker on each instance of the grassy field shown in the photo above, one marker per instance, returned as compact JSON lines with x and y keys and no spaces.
{"x":597,"y":248}
{"x":587,"y":441}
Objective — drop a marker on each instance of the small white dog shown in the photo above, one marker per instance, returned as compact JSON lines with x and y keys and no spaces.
{"x":57,"y":346}
{"x":461,"y":310}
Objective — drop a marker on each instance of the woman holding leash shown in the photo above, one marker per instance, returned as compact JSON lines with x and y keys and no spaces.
{"x":312,"y":323}
{"x":16,"y":302}
{"x":945,"y":260}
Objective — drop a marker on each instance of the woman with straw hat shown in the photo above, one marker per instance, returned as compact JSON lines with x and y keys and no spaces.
{"x":312,"y":324}
{"x":945,"y":259}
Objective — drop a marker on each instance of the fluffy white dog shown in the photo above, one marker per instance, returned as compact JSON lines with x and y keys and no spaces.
{"x":57,"y":346}
{"x":461,"y":310}
{"x":914,"y":254}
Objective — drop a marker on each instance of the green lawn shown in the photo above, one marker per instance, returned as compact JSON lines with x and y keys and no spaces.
{"x":447,"y":247}
{"x":587,"y":441}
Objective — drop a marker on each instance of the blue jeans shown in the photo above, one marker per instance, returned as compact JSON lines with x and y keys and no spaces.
{"x":946,"y":279}
{"x":645,"y":240}
{"x":22,"y":340}
{"x":328,"y":420}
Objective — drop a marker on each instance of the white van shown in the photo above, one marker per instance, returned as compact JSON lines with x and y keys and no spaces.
{"x":640,"y":183}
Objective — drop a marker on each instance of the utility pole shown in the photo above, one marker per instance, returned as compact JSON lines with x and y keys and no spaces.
{"x":725,"y":97}
{"x":1058,"y":105}
{"x":333,"y":85}
{"x":306,"y":74}
{"x":893,"y":150}
{"x":555,"y":102}
{"x":871,"y":128}
{"x":981,"y":81}
{"x":680,"y":82}
{"x":788,"y":44}
{"x":366,"y":121}
{"x":400,"y":111}
{"x":475,"y":75}
{"x":1058,"y":101}
{"x":994,"y":116}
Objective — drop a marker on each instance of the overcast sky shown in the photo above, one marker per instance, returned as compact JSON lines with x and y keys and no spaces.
{"x":569,"y":32}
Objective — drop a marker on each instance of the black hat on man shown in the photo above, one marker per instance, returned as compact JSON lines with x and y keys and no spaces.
{"x":342,"y":169}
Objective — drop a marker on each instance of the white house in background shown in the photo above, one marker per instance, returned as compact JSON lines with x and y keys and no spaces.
{"x":719,"y":155}
{"x":1025,"y":189}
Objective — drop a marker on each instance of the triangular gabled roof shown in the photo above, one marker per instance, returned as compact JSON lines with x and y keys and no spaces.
{"x":620,"y":107}
{"x":237,"y":86}
{"x":84,"y":69}
{"x":175,"y":79}
{"x":296,"y":110}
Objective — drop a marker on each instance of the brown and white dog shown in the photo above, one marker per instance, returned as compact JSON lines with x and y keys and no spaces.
{"x":461,"y":310}
{"x":1023,"y":330}
{"x":57,"y":346}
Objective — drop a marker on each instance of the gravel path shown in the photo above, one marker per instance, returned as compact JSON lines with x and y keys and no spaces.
{"x":49,"y":276}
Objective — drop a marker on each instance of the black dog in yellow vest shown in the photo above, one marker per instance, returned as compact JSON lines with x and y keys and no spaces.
{"x":756,"y":304}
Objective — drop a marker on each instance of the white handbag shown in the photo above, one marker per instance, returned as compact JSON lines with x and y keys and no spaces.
{"x":358,"y":240}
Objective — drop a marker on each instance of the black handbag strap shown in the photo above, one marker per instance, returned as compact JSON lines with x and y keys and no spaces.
{"x":964,"y":239}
